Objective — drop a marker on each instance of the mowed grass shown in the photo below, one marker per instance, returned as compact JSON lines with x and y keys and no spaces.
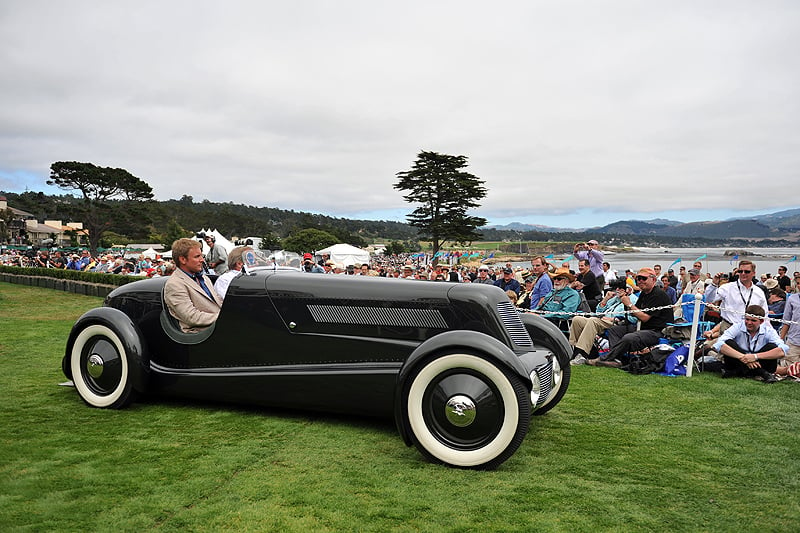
{"x":620,"y":453}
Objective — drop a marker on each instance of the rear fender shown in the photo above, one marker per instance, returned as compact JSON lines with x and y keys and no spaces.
{"x":129,"y":334}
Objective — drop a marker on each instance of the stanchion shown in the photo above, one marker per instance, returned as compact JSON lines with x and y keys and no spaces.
{"x":693,"y":341}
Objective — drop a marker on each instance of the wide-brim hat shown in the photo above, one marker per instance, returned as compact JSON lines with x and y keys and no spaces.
{"x":563,"y":273}
{"x":771,"y":283}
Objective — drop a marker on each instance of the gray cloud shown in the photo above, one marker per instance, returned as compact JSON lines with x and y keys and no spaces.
{"x":562,"y":107}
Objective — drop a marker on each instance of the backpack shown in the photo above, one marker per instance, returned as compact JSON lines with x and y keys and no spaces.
{"x":648,"y":363}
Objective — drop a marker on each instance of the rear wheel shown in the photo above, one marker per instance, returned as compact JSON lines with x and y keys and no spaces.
{"x":100,"y":368}
{"x":465,"y":411}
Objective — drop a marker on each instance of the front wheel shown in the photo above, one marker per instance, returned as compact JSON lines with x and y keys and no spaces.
{"x":100,"y":368}
{"x":561,"y":374}
{"x":465,"y":411}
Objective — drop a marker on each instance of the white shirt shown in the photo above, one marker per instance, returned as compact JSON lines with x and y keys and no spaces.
{"x":735,"y":298}
{"x":222,"y":283}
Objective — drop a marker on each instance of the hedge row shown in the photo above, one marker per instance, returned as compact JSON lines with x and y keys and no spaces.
{"x":89,"y":283}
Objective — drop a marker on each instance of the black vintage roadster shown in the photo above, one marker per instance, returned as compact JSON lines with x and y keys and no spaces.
{"x":456,"y":365}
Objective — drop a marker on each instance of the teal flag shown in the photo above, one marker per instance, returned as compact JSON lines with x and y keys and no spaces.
{"x":701,"y":257}
{"x":678,"y":260}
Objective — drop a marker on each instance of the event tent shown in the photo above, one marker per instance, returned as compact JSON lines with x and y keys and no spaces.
{"x":345,"y":254}
{"x":219,"y":239}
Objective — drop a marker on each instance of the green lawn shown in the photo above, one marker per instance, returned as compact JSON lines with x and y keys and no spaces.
{"x":620,"y":453}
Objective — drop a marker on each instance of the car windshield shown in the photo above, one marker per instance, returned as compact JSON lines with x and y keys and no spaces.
{"x":279,"y":260}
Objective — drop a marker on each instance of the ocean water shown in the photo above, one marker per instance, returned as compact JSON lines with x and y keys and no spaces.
{"x":715,"y":260}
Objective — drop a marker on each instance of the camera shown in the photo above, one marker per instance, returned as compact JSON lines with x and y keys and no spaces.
{"x":618,"y":283}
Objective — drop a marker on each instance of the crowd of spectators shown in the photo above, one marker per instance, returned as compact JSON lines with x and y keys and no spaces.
{"x":84,"y":261}
{"x":559,"y":294}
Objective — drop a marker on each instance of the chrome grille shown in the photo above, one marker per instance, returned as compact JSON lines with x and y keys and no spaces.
{"x":545,"y":373}
{"x":513,"y":324}
{"x":378,"y":316}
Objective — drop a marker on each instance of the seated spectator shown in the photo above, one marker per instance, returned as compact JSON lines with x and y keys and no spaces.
{"x":483,"y":276}
{"x":102,"y":265}
{"x":673,"y":296}
{"x":524,"y":300}
{"x":659,"y":313}
{"x":235,"y":268}
{"x":584,"y":329}
{"x":508,"y":281}
{"x":58,"y":260}
{"x":751,"y":348}
{"x":74,"y":262}
{"x":563,"y":300}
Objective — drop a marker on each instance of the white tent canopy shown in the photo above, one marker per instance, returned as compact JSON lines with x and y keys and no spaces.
{"x":150,"y":253}
{"x":345,"y":254}
{"x":219,"y":239}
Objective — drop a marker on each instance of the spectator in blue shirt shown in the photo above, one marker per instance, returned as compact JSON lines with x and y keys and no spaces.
{"x":543,"y":284}
{"x":751,"y":348}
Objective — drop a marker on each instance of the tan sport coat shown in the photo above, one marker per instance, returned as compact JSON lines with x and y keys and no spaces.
{"x":188,"y":302}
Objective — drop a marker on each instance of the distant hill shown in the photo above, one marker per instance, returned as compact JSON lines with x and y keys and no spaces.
{"x":780,"y":225}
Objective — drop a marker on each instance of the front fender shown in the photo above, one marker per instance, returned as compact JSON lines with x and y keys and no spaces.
{"x":129,"y":334}
{"x":449,"y":342}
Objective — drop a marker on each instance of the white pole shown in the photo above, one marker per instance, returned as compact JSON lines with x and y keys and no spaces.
{"x":693,"y":342}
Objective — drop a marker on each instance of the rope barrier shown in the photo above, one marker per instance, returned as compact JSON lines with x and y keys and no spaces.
{"x":649,"y":309}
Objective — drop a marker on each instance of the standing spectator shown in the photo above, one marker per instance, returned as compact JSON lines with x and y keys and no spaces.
{"x":783,"y":280}
{"x":217,"y":258}
{"x":591,"y":251}
{"x":683,"y":279}
{"x":310,"y":266}
{"x":608,"y":275}
{"x":587,"y":283}
{"x":736,"y":296}
{"x":790,"y":330}
{"x":543,"y":284}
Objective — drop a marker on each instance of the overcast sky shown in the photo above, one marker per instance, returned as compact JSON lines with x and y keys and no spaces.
{"x":575,"y":113}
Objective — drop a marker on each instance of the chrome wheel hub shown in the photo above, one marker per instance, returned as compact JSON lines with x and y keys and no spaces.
{"x":94,"y":366}
{"x":460,"y":410}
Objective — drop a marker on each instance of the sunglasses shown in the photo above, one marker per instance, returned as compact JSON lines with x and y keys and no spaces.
{"x":642,"y":278}
{"x":745,"y":271}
